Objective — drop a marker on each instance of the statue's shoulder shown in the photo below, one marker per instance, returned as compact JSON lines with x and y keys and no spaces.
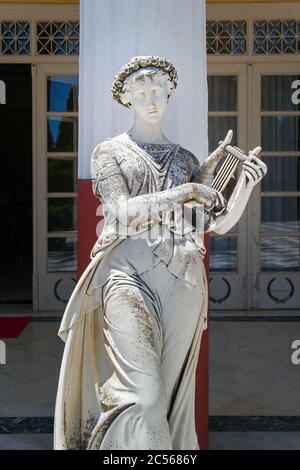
{"x":104,"y":155}
{"x":188,"y":156}
{"x":107,"y":146}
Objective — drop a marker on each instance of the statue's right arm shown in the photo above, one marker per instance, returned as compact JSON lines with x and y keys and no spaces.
{"x":110,"y":186}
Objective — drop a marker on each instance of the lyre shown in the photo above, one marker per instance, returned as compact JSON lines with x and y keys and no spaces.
{"x":229,"y":166}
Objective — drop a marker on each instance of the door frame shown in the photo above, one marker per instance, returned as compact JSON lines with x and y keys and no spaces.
{"x":260,"y":281}
{"x":235,"y":281}
{"x":33,"y":13}
{"x":48,"y":297}
{"x":255,"y":286}
{"x":250,"y":13}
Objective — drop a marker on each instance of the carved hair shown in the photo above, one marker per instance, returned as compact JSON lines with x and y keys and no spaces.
{"x":133,"y":67}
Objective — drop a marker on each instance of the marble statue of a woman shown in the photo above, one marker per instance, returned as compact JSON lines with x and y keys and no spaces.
{"x":134,"y":322}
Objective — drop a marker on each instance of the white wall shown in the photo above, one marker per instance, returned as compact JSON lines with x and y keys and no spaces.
{"x":112,"y":32}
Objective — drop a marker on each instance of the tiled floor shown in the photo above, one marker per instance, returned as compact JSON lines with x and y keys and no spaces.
{"x":28,"y":381}
{"x":251,"y":374}
{"x":218,"y":441}
{"x":254,"y":441}
{"x":26,"y":442}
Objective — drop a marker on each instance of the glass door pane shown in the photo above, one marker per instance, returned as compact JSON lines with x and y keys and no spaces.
{"x":62,"y":139}
{"x":57,"y":186}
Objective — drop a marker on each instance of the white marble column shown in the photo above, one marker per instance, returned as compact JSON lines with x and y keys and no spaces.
{"x":112,"y":32}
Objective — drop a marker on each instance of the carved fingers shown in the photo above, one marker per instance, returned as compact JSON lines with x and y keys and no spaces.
{"x":220,"y":202}
{"x":254,"y":169}
{"x":209,"y":197}
{"x":217,"y":203}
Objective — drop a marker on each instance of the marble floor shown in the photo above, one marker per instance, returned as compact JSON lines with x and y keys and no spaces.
{"x":218,"y":441}
{"x":28,"y":381}
{"x":26,"y":442}
{"x":254,"y":440}
{"x":251,"y":374}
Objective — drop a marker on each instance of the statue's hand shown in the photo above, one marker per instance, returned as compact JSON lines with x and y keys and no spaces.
{"x":209,"y":197}
{"x":254,"y":169}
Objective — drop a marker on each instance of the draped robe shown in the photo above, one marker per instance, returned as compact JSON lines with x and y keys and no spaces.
{"x":89,"y":413}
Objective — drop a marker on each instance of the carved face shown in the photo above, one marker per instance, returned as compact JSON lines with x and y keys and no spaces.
{"x":148,"y":94}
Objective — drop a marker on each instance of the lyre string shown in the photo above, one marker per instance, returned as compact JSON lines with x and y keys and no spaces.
{"x":226,"y":171}
{"x":226,"y":176}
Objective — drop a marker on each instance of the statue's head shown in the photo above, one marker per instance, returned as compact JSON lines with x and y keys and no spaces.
{"x":145,"y":84}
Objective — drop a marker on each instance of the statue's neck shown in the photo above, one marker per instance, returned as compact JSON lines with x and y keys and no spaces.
{"x":151,"y":133}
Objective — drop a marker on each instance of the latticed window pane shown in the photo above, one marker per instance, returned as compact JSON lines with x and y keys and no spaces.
{"x":62,"y":175}
{"x":218,"y":127}
{"x":280,"y":93}
{"x":283,"y":174}
{"x":223,"y":254}
{"x":62,"y":93}
{"x":62,"y":214}
{"x":62,"y":134}
{"x":280,"y":214}
{"x":58,"y":38}
{"x":222,"y":93}
{"x":62,"y":255}
{"x":280,"y":253}
{"x":280,"y":133}
{"x":226,"y":37}
{"x":276,"y":37}
{"x":15,"y":38}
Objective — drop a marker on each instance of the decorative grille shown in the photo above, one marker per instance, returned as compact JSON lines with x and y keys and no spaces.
{"x":276,"y":37}
{"x":58,"y":38}
{"x":14,"y":37}
{"x":226,"y":37}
